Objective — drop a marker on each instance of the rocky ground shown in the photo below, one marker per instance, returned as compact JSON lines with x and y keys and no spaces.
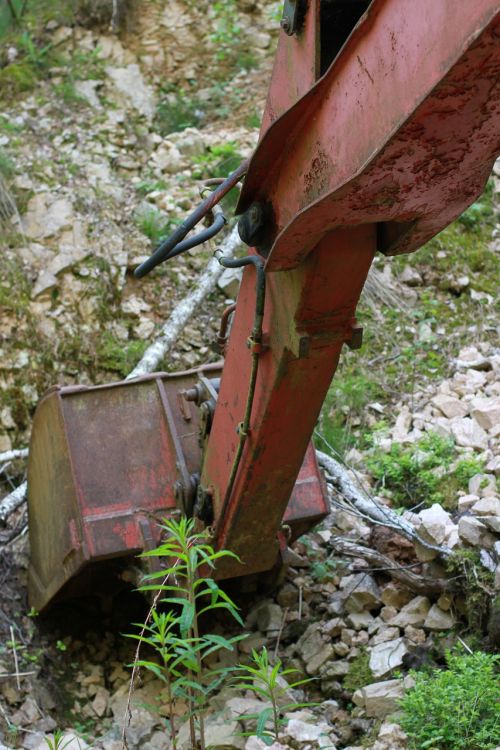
{"x":99,"y":165}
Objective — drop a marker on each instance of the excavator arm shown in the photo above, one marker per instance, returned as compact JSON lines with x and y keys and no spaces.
{"x":381,"y":126}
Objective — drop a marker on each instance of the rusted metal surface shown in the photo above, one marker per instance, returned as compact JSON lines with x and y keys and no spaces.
{"x":394,"y":141}
{"x":106,"y":464}
{"x":309,"y":315}
{"x":401,"y":131}
{"x":102,"y":469}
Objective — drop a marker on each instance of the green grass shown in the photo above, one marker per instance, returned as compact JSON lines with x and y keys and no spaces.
{"x":359,"y":673}
{"x":153,"y":224}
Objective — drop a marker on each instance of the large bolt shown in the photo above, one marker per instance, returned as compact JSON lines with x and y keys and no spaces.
{"x":286,"y":25}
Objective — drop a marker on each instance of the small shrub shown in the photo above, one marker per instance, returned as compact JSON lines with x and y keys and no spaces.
{"x":455,"y":708}
{"x":268,"y":682}
{"x":176,"y":112}
{"x":152,"y":223}
{"x":359,"y":673}
{"x":476,"y":583}
{"x":481,"y":212}
{"x":414,"y":474}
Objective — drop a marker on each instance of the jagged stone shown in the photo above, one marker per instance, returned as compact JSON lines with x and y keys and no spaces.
{"x":380,"y":698}
{"x":359,"y":620}
{"x":387,"y":656}
{"x":413,"y":613}
{"x":492,"y":522}
{"x":466,"y":502}
{"x":269,"y":617}
{"x":132,"y":89}
{"x":487,"y":506}
{"x":46,"y":217}
{"x":336,"y":668}
{"x":482,"y":485}
{"x":436,"y":523}
{"x":437,"y":619}
{"x":229,"y":282}
{"x":88,"y":90}
{"x":362,"y":593}
{"x":474,"y":532}
{"x":45,"y":282}
{"x":486,"y":412}
{"x":468,"y":433}
{"x":390,"y":737}
{"x":410,"y":276}
{"x":395,"y":596}
{"x":385,"y":634}
{"x":303,"y":731}
{"x":322,"y":656}
{"x":471,"y":358}
{"x":449,"y":406}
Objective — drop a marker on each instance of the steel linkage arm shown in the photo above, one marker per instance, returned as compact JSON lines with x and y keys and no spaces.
{"x":386,"y":148}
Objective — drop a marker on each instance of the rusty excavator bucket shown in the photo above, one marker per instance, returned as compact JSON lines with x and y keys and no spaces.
{"x":107,"y":463}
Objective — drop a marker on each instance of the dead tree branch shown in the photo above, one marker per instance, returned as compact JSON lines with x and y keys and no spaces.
{"x":419,"y":584}
{"x":13,"y":455}
{"x":367,"y":508}
{"x":11,"y":502}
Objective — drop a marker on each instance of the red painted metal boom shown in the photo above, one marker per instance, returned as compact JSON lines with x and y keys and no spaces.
{"x":381,"y":126}
{"x":392,"y":143}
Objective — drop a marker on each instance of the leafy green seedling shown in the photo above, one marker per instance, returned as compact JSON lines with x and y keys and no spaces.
{"x":185,"y":592}
{"x":268,"y":682}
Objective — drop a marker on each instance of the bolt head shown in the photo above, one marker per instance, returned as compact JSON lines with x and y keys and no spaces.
{"x":286,"y":25}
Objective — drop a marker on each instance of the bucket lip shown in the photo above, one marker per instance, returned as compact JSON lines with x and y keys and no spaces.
{"x":68,"y":390}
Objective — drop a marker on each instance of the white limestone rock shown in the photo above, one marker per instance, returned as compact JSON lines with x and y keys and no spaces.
{"x":487,"y":506}
{"x":468,"y":433}
{"x":132,"y":89}
{"x":413,"y":613}
{"x":387,"y":656}
{"x":483,"y":485}
{"x":449,"y":406}
{"x":380,"y":698}
{"x":438,"y":619}
{"x":474,"y":532}
{"x":362,"y":593}
{"x":486,"y":412}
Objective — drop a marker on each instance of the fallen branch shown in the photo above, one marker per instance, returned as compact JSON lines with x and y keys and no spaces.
{"x":182,"y":313}
{"x":419,"y":584}
{"x":12,"y":455}
{"x":366,"y":507}
{"x":11,"y":502}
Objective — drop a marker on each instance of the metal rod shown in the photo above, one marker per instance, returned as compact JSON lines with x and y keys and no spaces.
{"x":255,"y":340}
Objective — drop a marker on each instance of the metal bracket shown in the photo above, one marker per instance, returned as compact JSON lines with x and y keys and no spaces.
{"x":292,"y":17}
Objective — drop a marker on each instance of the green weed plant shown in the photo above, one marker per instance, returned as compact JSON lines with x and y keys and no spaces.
{"x":455,"y":708}
{"x":183,"y":593}
{"x":268,"y":682}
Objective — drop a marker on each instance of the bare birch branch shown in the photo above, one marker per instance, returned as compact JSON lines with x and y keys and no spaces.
{"x":11,"y":502}
{"x":12,"y":455}
{"x":415,"y":582}
{"x":368,"y":508}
